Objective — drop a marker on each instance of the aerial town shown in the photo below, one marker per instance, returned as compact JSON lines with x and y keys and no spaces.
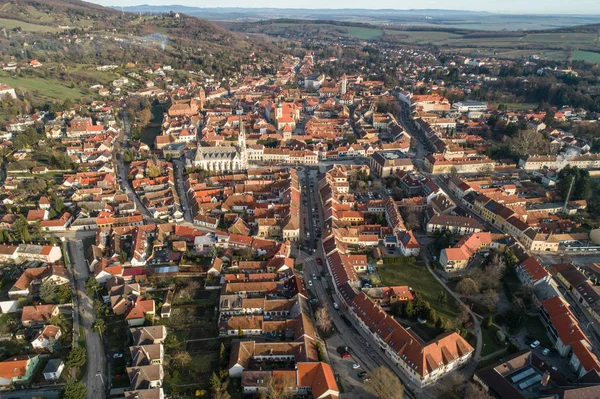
{"x":399,"y":223}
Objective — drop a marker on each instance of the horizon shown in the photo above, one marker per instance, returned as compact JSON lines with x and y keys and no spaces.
{"x":581,"y":7}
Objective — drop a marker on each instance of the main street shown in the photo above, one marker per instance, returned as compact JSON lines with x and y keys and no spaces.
{"x":95,"y":377}
{"x":368,"y":355}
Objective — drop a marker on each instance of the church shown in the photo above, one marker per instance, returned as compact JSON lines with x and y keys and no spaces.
{"x":224,"y":158}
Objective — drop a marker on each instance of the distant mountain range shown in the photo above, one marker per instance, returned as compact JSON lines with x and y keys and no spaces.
{"x":424,"y":17}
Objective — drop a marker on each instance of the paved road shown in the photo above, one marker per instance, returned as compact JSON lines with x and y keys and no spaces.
{"x":96,"y":358}
{"x":362,"y":347}
{"x":179,"y":168}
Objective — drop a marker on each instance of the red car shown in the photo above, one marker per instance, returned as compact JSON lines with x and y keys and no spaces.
{"x":345,"y":355}
{"x":319,"y":261}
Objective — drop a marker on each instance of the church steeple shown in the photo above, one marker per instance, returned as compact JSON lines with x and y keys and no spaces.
{"x":242,"y":144}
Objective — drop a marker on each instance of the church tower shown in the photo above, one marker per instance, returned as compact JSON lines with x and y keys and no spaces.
{"x":344,"y":85}
{"x":242,"y":145}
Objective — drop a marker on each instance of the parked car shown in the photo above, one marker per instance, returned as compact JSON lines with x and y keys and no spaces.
{"x":336,"y":306}
{"x":314,"y":276}
{"x":546,"y":351}
{"x":361,"y":374}
{"x":534,"y":344}
{"x":310,"y":283}
{"x":355,"y":366}
{"x":117,"y":355}
{"x":345,"y":355}
{"x":319,"y":261}
{"x":367,"y":379}
{"x":554,"y":368}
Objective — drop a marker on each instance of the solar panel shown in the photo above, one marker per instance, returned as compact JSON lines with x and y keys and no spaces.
{"x":532,"y":381}
{"x":522,"y":375}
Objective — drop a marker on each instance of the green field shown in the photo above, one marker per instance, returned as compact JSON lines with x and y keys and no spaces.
{"x":44,"y":89}
{"x":26,"y":26}
{"x":422,"y":282}
{"x":588,"y":56}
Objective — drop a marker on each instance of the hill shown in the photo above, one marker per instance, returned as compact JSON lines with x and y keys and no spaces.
{"x":76,"y":31}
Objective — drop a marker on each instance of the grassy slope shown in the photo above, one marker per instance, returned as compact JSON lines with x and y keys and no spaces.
{"x":41,"y":88}
{"x":9,"y":24}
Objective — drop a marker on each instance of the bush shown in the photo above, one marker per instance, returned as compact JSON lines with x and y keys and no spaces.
{"x":487,"y":322}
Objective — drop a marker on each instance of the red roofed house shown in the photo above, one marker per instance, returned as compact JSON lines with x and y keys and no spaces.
{"x":37,"y":215}
{"x":409,"y":244}
{"x":46,"y":338}
{"x":318,"y":379}
{"x":38,"y":314}
{"x":563,"y":329}
{"x":18,"y":369}
{"x":531,"y":272}
{"x":422,"y":362}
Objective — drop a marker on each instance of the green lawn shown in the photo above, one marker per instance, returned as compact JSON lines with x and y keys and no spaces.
{"x":536,"y":330}
{"x":491,"y":343}
{"x":50,"y":89}
{"x":422,"y":282}
{"x":515,"y":106}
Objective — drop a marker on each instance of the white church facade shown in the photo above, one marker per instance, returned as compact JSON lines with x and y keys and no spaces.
{"x":224,"y":158}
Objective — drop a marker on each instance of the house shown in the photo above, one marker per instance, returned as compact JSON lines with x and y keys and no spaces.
{"x":38,"y":315}
{"x":457,"y":258}
{"x":408,"y":243}
{"x":567,"y":336}
{"x":148,"y":335}
{"x":46,"y":338}
{"x":30,"y":279}
{"x":53,"y":369}
{"x":144,"y":355}
{"x":459,"y":225}
{"x":18,"y":369}
{"x":385,"y":164}
{"x":318,"y":379}
{"x":145,"y":377}
{"x":43,"y":253}
{"x":531,"y":272}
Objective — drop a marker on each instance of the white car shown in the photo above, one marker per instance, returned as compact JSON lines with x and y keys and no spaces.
{"x":546,"y":351}
{"x":535,"y":344}
{"x":310,"y":284}
{"x":355,"y":366}
{"x":117,"y":355}
{"x":314,"y":276}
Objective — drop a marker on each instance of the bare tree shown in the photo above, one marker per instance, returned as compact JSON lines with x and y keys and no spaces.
{"x":277,"y":388}
{"x":467,"y":287}
{"x":476,"y":391}
{"x":323,"y":319}
{"x":489,"y":299}
{"x":384,"y":384}
{"x":529,"y":142}
{"x":181,"y":359}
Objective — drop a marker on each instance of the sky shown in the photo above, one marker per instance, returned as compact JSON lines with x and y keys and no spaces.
{"x":584,"y":7}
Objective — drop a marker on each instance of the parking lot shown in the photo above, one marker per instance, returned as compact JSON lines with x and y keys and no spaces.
{"x":353,"y":385}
